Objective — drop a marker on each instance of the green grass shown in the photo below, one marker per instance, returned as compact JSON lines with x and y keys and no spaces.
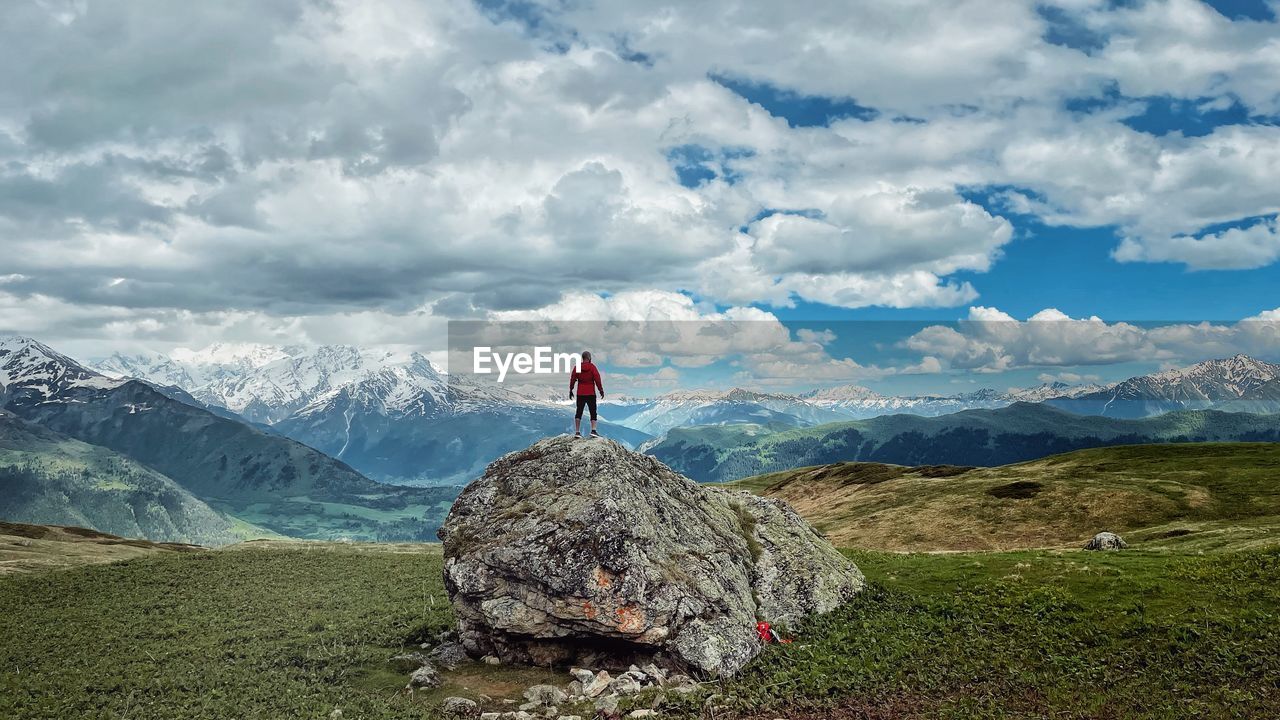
{"x":272,"y":630}
{"x":261,"y":632}
{"x":1185,"y":497}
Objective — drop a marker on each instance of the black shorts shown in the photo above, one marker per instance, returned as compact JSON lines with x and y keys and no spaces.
{"x":589,"y":401}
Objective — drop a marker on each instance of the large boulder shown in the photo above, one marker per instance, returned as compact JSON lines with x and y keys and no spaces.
{"x":579,"y":549}
{"x":1106,"y":541}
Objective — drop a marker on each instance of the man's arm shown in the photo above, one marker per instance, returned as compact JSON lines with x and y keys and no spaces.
{"x":600,"y":383}
{"x":573,"y":378}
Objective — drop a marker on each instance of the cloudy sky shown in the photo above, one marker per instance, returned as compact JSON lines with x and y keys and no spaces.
{"x":319,"y":171}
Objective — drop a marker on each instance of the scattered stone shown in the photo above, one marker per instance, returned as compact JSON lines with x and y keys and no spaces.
{"x":642,"y":713}
{"x":574,"y":688}
{"x":625,"y":685}
{"x":1106,"y":541}
{"x":545,"y":695}
{"x":607,"y":704}
{"x":682,"y":684}
{"x":570,"y":717}
{"x":491,"y":660}
{"x":457,"y":708}
{"x":424,"y":677}
{"x":490,"y":716}
{"x":408,"y":662}
{"x":564,"y":543}
{"x":336,"y":714}
{"x":448,"y":654}
{"x":530,"y":706}
{"x":658,"y":674}
{"x":582,"y":675}
{"x":598,"y":684}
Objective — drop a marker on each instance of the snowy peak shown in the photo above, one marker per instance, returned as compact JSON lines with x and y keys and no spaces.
{"x":153,"y":367}
{"x":31,"y":366}
{"x":241,"y":355}
{"x":843,"y":395}
{"x":266,"y":383}
{"x":1225,"y":379}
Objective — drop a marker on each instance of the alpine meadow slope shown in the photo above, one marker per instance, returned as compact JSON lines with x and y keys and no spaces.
{"x":1192,"y":497}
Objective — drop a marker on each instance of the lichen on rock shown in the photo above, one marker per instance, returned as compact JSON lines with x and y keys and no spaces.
{"x":579,"y":549}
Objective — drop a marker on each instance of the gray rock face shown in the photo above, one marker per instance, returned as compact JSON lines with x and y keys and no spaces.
{"x":424,"y":677}
{"x":457,"y":708}
{"x":1106,"y":541}
{"x":574,"y":548}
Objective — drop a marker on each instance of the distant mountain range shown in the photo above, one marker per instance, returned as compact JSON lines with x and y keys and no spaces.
{"x":237,"y":469}
{"x":397,"y":418}
{"x":341,"y":442}
{"x":1019,"y":432}
{"x":393,"y":417}
{"x":859,"y":402}
{"x":1238,"y":384}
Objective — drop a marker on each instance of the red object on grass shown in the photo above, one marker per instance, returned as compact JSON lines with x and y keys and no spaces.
{"x":768,"y":635}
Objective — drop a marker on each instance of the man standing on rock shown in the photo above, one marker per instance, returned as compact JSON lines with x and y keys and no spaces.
{"x":586,"y":378}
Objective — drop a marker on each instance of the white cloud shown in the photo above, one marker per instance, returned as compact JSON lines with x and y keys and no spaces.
{"x":1231,"y":249}
{"x":992,"y":341}
{"x":292,"y":168}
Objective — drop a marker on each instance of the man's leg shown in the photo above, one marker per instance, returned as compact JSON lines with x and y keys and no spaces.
{"x":591,"y":403}
{"x":577,"y":418}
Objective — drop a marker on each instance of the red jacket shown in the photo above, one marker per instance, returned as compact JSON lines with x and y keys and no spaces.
{"x":587,"y":379}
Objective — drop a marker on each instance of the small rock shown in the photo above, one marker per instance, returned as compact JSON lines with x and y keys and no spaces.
{"x":642,"y":713}
{"x":625,"y":685}
{"x":681,"y":684}
{"x":582,"y":675}
{"x":336,"y":714}
{"x":457,"y":708}
{"x":597,"y":684}
{"x":551,"y":711}
{"x":658,"y":674}
{"x":448,"y":654}
{"x":574,"y":688}
{"x":1106,"y":541}
{"x":408,"y":662}
{"x":530,"y":706}
{"x":491,"y":716}
{"x":491,"y":660}
{"x":607,"y":704}
{"x":545,"y":695}
{"x":570,"y":717}
{"x":424,"y":677}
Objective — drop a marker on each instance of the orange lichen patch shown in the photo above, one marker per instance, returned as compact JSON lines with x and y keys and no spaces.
{"x":602,"y":577}
{"x":588,"y":610}
{"x":630,"y":619}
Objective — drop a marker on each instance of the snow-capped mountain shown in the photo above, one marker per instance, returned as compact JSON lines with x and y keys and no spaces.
{"x":855,"y":401}
{"x":1238,"y":383}
{"x":37,"y":372}
{"x":267,"y":384}
{"x":713,"y":407}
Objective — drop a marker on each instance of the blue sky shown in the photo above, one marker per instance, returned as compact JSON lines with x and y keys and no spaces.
{"x":365,"y":173}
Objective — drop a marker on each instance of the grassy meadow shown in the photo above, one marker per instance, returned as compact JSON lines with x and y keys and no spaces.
{"x":1182,"y":625}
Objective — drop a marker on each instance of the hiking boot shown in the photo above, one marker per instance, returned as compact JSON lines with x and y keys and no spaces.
{"x":595,"y":434}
